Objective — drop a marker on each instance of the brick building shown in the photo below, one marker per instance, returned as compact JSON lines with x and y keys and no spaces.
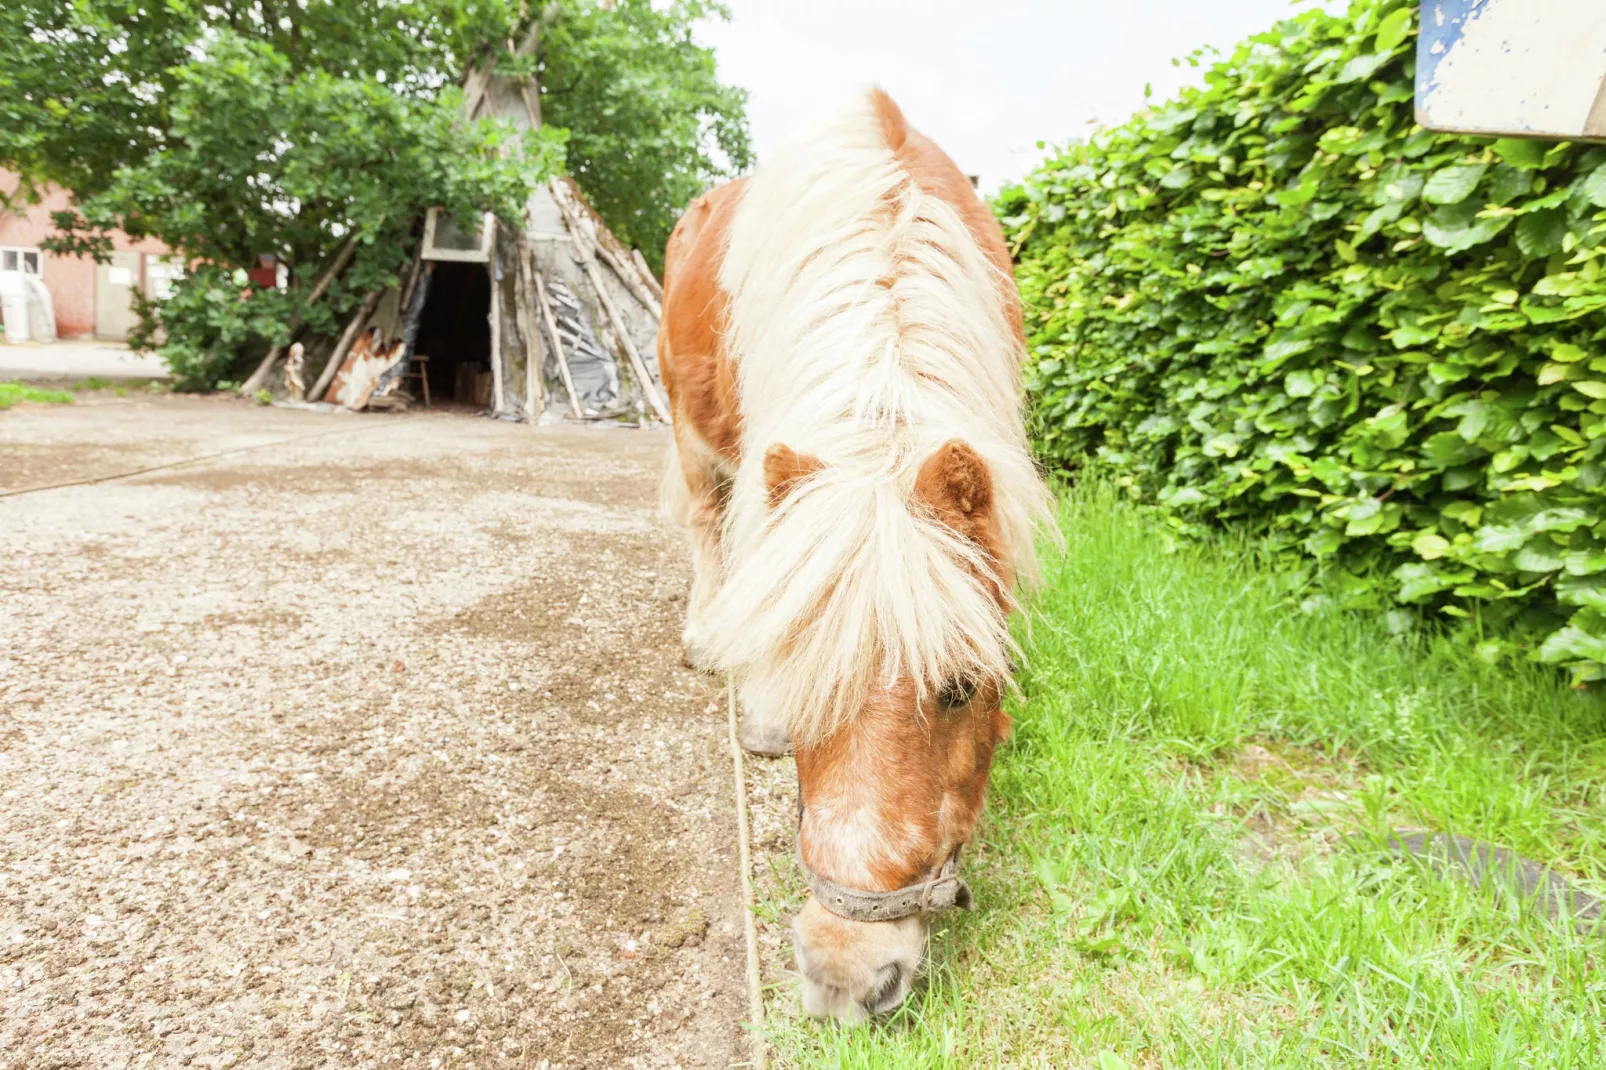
{"x":91,"y":300}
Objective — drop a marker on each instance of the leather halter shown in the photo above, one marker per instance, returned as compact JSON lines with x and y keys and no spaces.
{"x":934,"y":895}
{"x":944,"y":891}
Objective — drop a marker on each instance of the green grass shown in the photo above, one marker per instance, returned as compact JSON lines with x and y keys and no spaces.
{"x":96,"y":383}
{"x":13,"y":392}
{"x":1182,"y":866}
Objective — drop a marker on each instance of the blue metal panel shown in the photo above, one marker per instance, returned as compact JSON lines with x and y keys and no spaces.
{"x":1534,"y":68}
{"x":1442,"y":22}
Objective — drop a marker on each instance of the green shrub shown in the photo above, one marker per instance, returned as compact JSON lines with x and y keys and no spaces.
{"x":208,"y":319}
{"x":1278,"y":302}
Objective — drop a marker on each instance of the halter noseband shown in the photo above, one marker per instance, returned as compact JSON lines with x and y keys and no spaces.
{"x":931,"y":896}
{"x":934,"y":895}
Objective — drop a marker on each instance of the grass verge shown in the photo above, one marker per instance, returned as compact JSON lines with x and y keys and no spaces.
{"x":1169,"y":874}
{"x":12,"y":392}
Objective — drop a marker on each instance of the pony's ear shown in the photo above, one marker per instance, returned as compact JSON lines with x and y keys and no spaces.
{"x":784,"y":469}
{"x":955,"y":483}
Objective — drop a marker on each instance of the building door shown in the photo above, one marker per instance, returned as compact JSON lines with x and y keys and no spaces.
{"x":115,"y":285}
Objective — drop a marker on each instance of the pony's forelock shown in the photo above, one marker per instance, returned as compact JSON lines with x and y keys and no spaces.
{"x":868,"y":328}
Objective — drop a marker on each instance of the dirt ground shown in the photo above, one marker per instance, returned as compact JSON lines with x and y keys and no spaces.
{"x":368,"y":745}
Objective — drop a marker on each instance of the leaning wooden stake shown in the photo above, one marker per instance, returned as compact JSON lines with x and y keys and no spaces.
{"x":260,"y":376}
{"x":557,"y":345}
{"x":342,"y":257}
{"x":626,"y":274}
{"x":646,"y":274}
{"x":588,"y":249}
{"x":413,"y":275}
{"x":496,"y":327}
{"x":637,"y":365}
{"x":534,"y":399}
{"x":347,"y":337}
{"x":479,"y":80}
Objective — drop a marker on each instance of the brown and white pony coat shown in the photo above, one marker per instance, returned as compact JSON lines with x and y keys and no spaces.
{"x":841,"y":343}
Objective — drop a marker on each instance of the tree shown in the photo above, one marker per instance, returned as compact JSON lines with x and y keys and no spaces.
{"x":289,"y":128}
{"x":650,"y":126}
{"x":89,"y":87}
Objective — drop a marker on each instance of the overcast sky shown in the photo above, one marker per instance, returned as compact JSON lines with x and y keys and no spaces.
{"x":988,"y":79}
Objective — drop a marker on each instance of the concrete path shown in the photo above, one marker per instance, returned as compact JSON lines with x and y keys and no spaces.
{"x":368,"y":747}
{"x":78,"y":360}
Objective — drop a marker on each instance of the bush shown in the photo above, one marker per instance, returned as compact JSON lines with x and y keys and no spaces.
{"x":208,"y":320}
{"x":1278,"y":302}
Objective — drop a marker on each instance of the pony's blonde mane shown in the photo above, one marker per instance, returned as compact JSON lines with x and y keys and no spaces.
{"x":868,"y":328}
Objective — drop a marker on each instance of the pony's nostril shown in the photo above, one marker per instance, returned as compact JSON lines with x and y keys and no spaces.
{"x":888,"y":990}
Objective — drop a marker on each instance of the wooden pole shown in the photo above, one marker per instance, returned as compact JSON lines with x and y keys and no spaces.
{"x":479,"y":80}
{"x":496,"y":327}
{"x":628,"y":344}
{"x":627,"y":276}
{"x":342,"y":258}
{"x":621,"y":329}
{"x":412,"y":275}
{"x":260,"y":376}
{"x":534,"y":401}
{"x":319,"y":288}
{"x":347,"y":337}
{"x":646,"y":273}
{"x":588,"y":250}
{"x":557,"y":346}
{"x":532,"y":101}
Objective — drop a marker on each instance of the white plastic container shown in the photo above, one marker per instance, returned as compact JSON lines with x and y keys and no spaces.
{"x":41,"y":309}
{"x":14,"y":306}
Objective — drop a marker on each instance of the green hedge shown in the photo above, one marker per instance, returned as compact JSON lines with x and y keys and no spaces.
{"x":1278,"y":302}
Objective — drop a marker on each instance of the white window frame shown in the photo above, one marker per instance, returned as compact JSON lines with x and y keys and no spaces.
{"x":21,"y":252}
{"x":481,"y":255}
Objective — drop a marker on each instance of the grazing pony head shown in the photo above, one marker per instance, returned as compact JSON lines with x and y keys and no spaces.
{"x":884,"y":508}
{"x":874,"y":626}
{"x":893,"y":774}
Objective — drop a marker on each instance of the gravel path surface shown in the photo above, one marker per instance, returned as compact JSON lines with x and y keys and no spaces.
{"x":368,"y":749}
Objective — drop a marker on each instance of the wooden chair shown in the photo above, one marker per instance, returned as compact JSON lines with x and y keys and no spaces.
{"x":419,"y":370}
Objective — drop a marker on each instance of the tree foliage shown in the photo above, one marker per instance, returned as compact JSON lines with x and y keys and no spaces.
{"x":249,"y":128}
{"x":1277,"y":302}
{"x":650,"y":126}
{"x":89,"y":87}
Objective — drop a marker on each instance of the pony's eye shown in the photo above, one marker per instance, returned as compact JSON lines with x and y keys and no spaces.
{"x":956,"y":693}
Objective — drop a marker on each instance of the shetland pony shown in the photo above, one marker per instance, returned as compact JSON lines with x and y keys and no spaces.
{"x":841,"y":342}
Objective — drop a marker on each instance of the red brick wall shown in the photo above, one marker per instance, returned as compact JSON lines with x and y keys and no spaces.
{"x":70,"y":280}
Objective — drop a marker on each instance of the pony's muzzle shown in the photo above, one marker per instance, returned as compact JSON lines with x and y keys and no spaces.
{"x":855,"y":970}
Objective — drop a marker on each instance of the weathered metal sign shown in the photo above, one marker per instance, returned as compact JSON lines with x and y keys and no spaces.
{"x":1513,"y":68}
